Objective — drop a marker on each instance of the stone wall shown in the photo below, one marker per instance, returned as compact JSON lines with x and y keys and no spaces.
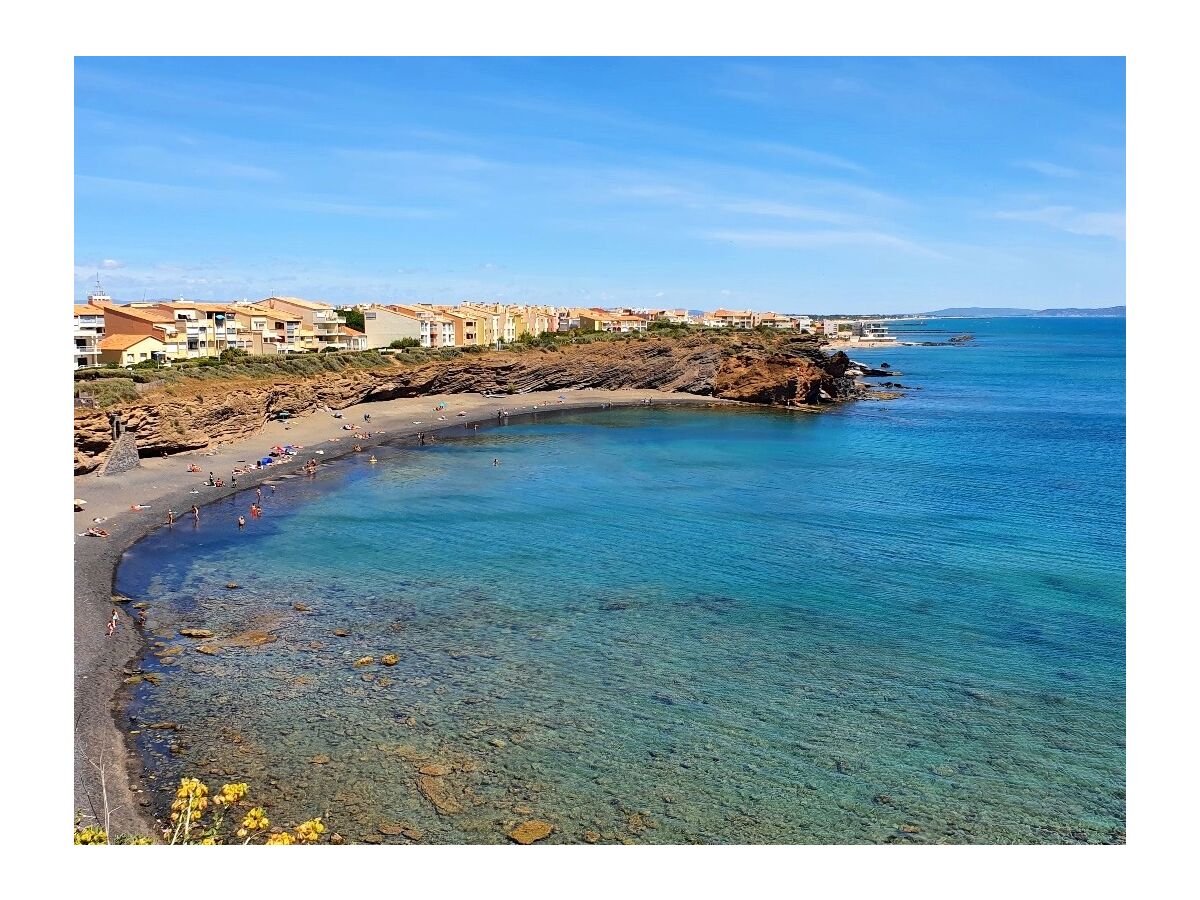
{"x":123,"y":456}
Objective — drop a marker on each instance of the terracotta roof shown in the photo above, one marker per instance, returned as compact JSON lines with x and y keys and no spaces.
{"x":124,"y":341}
{"x":353,"y":332}
{"x":730,"y":312}
{"x":411,"y":312}
{"x":306,"y":304}
{"x":146,"y":314}
{"x":87,"y":310}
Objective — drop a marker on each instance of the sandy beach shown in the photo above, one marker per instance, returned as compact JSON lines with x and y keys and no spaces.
{"x":159,"y":484}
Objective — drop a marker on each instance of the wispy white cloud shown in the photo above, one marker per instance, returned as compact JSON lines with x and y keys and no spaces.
{"x":1070,"y":219}
{"x":422,"y":159}
{"x":774,"y":209}
{"x":111,"y":264}
{"x":1049,"y":169}
{"x":171,"y":193}
{"x":783,"y":239}
{"x":803,"y":154}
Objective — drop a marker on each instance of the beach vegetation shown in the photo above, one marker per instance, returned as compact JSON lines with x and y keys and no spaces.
{"x":404,"y":342}
{"x":202,"y":817}
{"x":108,"y":391}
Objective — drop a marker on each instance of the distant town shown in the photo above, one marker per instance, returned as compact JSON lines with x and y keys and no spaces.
{"x":147,"y":333}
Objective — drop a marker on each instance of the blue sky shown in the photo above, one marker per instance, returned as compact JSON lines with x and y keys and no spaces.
{"x":800,"y":185}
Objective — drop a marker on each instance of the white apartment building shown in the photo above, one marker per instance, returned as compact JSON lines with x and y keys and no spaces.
{"x":386,"y":324}
{"x":89,"y":331}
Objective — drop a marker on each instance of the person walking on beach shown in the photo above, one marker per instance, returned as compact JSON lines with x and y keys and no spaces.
{"x":212,"y":479}
{"x":112,"y":623}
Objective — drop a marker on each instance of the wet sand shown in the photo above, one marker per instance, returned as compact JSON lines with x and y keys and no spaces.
{"x":165,"y":483}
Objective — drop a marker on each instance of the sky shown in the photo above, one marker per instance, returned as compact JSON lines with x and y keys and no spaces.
{"x":800,"y":185}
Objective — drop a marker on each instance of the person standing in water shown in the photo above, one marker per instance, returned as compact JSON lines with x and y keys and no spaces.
{"x":196,"y":513}
{"x":170,"y":517}
{"x":241,"y":522}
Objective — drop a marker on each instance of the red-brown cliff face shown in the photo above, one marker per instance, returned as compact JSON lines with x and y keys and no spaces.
{"x":190,"y":415}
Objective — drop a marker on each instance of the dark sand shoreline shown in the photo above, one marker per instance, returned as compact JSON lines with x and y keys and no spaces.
{"x":101,"y":735}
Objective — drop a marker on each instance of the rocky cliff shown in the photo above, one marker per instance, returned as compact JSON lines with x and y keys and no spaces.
{"x":767,"y":369}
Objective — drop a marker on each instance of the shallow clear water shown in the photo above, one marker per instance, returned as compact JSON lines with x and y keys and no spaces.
{"x":891,"y":621}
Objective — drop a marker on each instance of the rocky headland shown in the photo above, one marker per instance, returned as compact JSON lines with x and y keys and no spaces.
{"x":192,"y":413}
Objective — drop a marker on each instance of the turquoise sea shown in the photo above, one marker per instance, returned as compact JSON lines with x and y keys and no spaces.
{"x":892,"y":621}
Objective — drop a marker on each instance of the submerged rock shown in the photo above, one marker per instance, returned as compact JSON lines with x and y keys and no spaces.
{"x":389,"y":659}
{"x":196,"y":632}
{"x":531,"y":831}
{"x":438,"y":792}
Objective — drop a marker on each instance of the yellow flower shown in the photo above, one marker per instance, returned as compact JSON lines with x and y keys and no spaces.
{"x":256,"y":819}
{"x":208,"y":841}
{"x":191,"y":792}
{"x":93,"y":834}
{"x":231,"y":793}
{"x":310,"y":832}
{"x":281,"y":839}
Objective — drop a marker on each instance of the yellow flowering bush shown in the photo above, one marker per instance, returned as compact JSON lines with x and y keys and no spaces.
{"x":93,"y":834}
{"x":310,"y":832}
{"x":231,"y":794}
{"x":188,"y":825}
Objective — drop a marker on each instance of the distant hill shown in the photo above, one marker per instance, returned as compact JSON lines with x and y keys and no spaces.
{"x":983,"y":312}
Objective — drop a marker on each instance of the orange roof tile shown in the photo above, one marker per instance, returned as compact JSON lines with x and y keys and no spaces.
{"x":124,"y":341}
{"x":146,"y":314}
{"x":306,"y":304}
